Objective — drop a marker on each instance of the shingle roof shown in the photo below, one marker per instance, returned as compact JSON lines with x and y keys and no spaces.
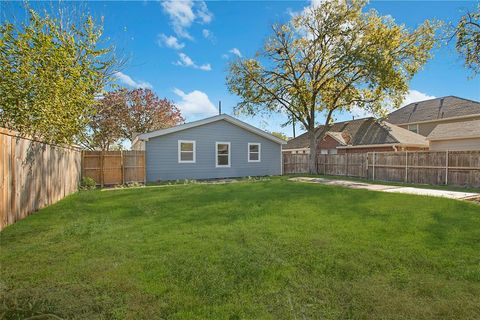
{"x":434,"y":109}
{"x":446,"y":131}
{"x":185,"y":126}
{"x":367,"y":131}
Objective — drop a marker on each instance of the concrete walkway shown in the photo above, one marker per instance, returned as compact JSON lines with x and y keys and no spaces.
{"x":385,"y":188}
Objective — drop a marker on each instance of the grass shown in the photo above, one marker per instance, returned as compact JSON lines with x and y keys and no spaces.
{"x":271,"y":249}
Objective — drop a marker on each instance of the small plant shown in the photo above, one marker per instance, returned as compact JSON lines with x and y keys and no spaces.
{"x":87,"y":183}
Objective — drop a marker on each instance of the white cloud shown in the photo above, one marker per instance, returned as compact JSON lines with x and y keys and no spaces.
{"x":169,"y":41}
{"x":236,"y":52}
{"x":415,"y":96}
{"x":410,"y":97}
{"x":195,"y":103}
{"x":183,"y":13}
{"x":186,"y":61}
{"x":127,"y":80}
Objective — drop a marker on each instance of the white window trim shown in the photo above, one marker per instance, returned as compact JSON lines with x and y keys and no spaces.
{"x":180,"y":151}
{"x":259,"y":151}
{"x":416,"y":126}
{"x":229,"y":155}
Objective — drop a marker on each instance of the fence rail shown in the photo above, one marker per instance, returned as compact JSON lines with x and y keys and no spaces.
{"x":33,"y":175}
{"x":114,"y":167}
{"x":461,"y":168}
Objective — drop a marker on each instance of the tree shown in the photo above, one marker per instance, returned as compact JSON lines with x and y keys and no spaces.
{"x":105,"y":128}
{"x":279,"y":135}
{"x":120,"y":114}
{"x":51,"y":72}
{"x":332,"y":57}
{"x":144,"y":111}
{"x":468,"y":40}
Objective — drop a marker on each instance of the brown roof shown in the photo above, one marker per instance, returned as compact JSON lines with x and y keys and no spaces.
{"x":367,"y":131}
{"x":456,"y":130}
{"x":434,"y":109}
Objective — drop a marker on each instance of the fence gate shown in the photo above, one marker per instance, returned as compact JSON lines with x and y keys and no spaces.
{"x":114,"y":167}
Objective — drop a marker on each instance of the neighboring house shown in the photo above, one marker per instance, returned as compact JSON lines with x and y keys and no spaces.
{"x":422,"y":117}
{"x":216,"y":147}
{"x":455,"y":136}
{"x":361,"y":135}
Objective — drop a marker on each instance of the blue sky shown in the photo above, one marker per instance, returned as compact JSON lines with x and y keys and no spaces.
{"x":181,"y":49}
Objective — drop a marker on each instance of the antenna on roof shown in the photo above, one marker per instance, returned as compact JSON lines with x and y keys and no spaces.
{"x":219,"y":106}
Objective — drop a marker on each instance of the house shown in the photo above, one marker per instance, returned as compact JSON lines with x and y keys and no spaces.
{"x":215,"y":147}
{"x":422,"y":117}
{"x":455,"y":136}
{"x":360,"y":135}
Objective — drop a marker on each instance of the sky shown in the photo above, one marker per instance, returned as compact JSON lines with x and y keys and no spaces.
{"x":181,"y":49}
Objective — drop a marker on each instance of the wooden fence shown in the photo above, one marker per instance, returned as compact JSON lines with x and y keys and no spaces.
{"x":461,"y":168}
{"x":114,"y":167}
{"x":33,"y":175}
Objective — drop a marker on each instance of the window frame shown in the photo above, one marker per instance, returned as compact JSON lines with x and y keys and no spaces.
{"x":259,"y":151}
{"x":194,"y":151}
{"x":411,"y":125}
{"x":229,"y":154}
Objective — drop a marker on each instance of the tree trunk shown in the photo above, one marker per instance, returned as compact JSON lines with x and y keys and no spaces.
{"x":312,"y":163}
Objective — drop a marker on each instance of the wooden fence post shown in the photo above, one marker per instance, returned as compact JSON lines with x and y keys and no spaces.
{"x":122,"y":165}
{"x":406,"y":166}
{"x":101,"y":168}
{"x":446,"y":167}
{"x":373,"y":171}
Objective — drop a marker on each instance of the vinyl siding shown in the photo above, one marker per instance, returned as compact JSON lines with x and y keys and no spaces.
{"x":455,"y":145}
{"x":424,"y":129}
{"x":162,"y":154}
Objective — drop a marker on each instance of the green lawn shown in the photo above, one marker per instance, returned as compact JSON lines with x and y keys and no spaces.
{"x":249,"y":250}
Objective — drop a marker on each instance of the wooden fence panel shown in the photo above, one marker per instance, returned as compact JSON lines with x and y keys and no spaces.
{"x":134,"y":166}
{"x":295,"y":163}
{"x":33,"y":175}
{"x":461,"y":168}
{"x":114,"y":167}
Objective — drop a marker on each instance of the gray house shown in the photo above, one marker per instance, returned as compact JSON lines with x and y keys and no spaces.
{"x":216,"y":147}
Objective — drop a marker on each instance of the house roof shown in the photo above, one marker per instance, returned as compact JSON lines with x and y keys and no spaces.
{"x":230,"y":119}
{"x":435,"y":109}
{"x":456,"y":130}
{"x":366,"y":131}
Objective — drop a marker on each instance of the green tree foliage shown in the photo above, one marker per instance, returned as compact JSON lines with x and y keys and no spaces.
{"x":468,"y":40}
{"x":279,"y":135}
{"x":51,"y":72}
{"x":331,"y":57}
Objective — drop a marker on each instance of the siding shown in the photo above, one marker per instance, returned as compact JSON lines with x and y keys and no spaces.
{"x":162,"y":154}
{"x":425,"y":128}
{"x":455,"y":145}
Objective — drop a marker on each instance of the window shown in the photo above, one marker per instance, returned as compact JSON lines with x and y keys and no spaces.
{"x":222,"y":154}
{"x":332,"y":151}
{"x":413,"y":127}
{"x":323,"y":151}
{"x":186,"y":151}
{"x":254,"y":152}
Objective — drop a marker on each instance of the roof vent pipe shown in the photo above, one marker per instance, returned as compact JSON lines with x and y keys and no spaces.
{"x":219,"y":106}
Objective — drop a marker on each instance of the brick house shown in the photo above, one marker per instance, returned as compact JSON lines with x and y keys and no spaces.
{"x":360,"y":135}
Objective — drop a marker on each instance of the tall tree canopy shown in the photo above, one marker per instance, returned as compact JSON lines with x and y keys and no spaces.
{"x":51,"y":72}
{"x":468,"y":40}
{"x":120,"y":114}
{"x":331,"y":57}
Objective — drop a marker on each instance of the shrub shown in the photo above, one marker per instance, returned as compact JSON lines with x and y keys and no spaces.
{"x":87,"y":183}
